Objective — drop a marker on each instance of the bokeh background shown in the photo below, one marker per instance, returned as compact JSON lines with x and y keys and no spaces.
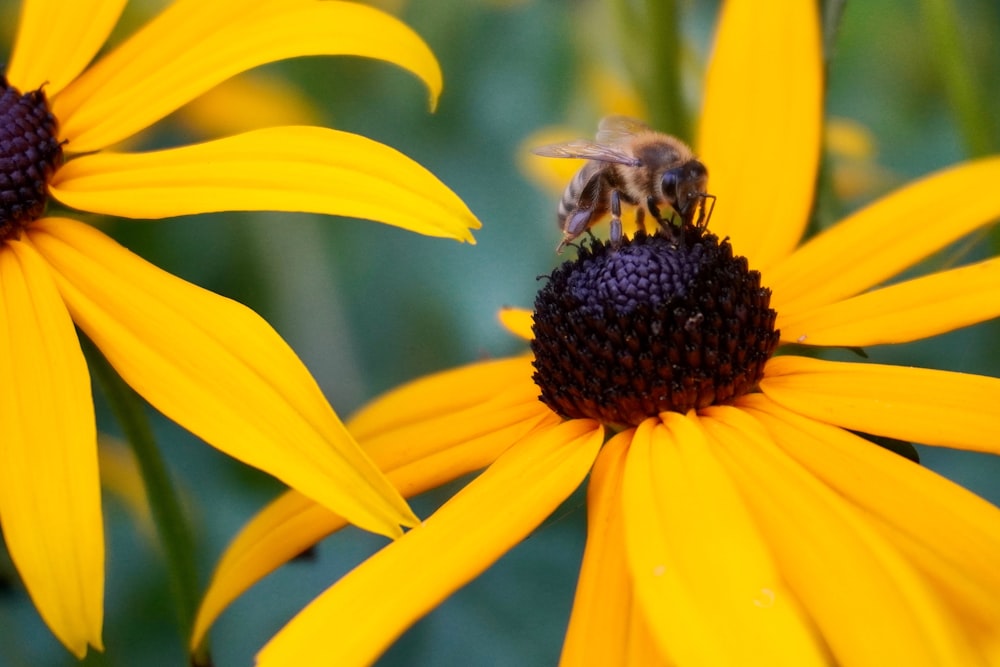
{"x":368,"y":306}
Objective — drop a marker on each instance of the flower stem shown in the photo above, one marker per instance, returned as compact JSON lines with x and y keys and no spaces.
{"x":961,"y":83}
{"x":663,"y":85}
{"x":171,"y":524}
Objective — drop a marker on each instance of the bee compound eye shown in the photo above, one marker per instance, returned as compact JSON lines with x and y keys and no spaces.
{"x":670,"y":181}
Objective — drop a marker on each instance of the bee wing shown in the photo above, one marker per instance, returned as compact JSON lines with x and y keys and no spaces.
{"x":588,"y":150}
{"x":619,"y":129}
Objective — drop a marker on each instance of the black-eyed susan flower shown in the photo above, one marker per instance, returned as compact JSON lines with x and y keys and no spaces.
{"x":735,"y":514}
{"x":208,"y":363}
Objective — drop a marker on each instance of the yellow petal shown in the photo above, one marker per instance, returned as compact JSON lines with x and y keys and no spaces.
{"x":760,"y":131}
{"x":518,"y":321}
{"x":952,"y":534}
{"x":839,"y":565}
{"x":56,"y":39}
{"x":50,"y":501}
{"x":310,"y":169}
{"x":216,"y":368}
{"x":281,"y":531}
{"x":684,"y":521}
{"x":455,"y":544}
{"x":598,"y":632}
{"x":886,"y":237}
{"x":194,"y":45}
{"x":416,"y":453}
{"x":440,"y":395}
{"x":916,"y":404}
{"x":900,"y":313}
{"x":414,"y":460}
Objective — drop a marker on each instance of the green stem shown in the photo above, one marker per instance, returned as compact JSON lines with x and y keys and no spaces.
{"x":663,"y":84}
{"x":171,"y":524}
{"x":947,"y":44}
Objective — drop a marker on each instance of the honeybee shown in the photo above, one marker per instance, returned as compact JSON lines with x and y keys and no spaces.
{"x":632,"y":163}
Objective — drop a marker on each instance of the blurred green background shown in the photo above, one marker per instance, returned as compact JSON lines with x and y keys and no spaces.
{"x":368,"y":306}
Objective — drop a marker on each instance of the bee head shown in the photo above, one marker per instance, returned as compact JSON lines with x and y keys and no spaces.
{"x":684,"y":184}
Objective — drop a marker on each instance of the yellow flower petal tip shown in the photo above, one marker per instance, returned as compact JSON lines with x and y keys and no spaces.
{"x":518,"y":321}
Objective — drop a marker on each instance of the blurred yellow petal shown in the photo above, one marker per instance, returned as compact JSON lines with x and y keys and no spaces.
{"x":249,"y":101}
{"x":613,"y":91}
{"x":760,"y":131}
{"x":216,"y":368}
{"x":915,"y":404}
{"x":455,"y":544}
{"x":915,"y":309}
{"x":953,"y":532}
{"x":518,"y":321}
{"x":598,"y":630}
{"x":844,"y":137}
{"x":415,"y":457}
{"x":194,"y":45}
{"x":552,"y":174}
{"x":309,"y":169}
{"x":684,"y":521}
{"x":843,"y":570}
{"x":57,"y":39}
{"x":50,"y":501}
{"x":882,"y":239}
{"x":120,"y":477}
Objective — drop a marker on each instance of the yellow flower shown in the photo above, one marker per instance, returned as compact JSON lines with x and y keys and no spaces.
{"x":759,"y":529}
{"x":210,"y":364}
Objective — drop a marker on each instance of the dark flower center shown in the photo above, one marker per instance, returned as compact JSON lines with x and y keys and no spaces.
{"x":666,"y":322}
{"x":30,"y":153}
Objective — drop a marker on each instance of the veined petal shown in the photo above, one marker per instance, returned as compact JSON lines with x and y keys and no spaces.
{"x":414,"y":457}
{"x":916,"y":404}
{"x":848,"y":576}
{"x":598,"y":632}
{"x":300,"y":168}
{"x":460,"y":540}
{"x":684,"y":520}
{"x":953,"y":534}
{"x":886,"y":237}
{"x":764,"y":88}
{"x":218,"y":369}
{"x":194,"y":45}
{"x":907,"y":311}
{"x":56,"y":39}
{"x":518,"y":321}
{"x":50,"y":496}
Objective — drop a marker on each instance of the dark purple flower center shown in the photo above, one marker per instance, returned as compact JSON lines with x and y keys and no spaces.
{"x":671,"y":321}
{"x":30,"y":153}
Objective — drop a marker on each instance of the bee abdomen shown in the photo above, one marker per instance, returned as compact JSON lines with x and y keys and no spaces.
{"x":574,"y":196}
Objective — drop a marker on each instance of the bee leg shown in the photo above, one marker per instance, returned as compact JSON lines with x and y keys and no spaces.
{"x":640,"y":219}
{"x":665,"y":225}
{"x":655,"y":211}
{"x":616,"y":219}
{"x":576,"y":223}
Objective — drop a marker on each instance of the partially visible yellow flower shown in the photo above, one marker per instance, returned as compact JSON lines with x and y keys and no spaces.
{"x":120,"y":476}
{"x":247,"y":102}
{"x":734,"y":518}
{"x":853,"y":153}
{"x":210,"y":364}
